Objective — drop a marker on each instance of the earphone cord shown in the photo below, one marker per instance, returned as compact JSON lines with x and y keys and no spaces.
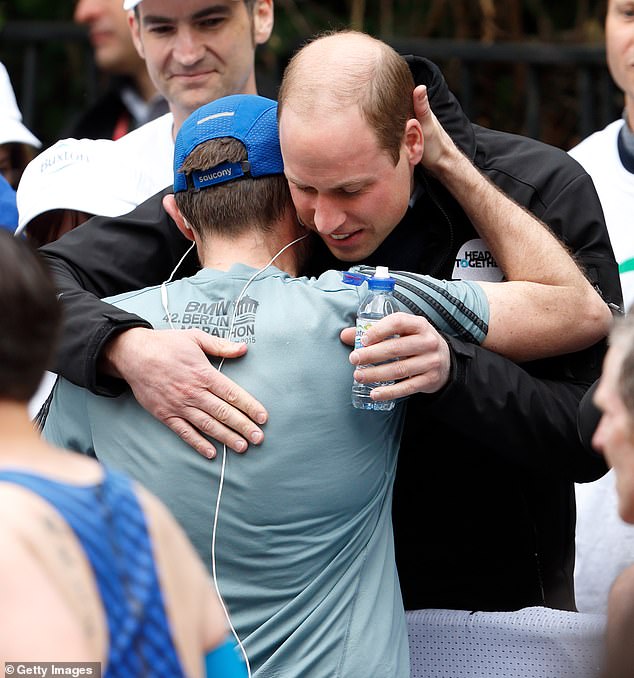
{"x":164,"y":285}
{"x":164,"y":301}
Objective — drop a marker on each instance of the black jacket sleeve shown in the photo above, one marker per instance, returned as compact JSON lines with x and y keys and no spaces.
{"x":103,"y":257}
{"x":525,"y":414}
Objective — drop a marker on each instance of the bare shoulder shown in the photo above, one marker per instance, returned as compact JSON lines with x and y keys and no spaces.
{"x":18,"y":506}
{"x":12,"y":516}
{"x":41,"y":568}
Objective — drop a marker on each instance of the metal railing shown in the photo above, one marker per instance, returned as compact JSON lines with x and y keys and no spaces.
{"x":23,"y":47}
{"x":591,"y":103}
{"x":597,"y":99}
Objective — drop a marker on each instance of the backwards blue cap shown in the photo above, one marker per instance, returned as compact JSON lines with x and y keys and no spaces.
{"x":249,"y":118}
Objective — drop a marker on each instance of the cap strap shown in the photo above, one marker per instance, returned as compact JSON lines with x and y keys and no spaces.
{"x":227,"y":171}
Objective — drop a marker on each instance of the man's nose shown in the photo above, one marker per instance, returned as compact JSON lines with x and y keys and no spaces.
{"x":85,"y":11}
{"x":328,"y":217}
{"x":187,"y":48}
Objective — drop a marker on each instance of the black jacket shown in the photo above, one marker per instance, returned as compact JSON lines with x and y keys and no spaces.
{"x":484,"y":501}
{"x":109,"y":117}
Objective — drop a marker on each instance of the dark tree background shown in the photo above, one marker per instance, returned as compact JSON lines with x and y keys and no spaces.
{"x":67,"y":79}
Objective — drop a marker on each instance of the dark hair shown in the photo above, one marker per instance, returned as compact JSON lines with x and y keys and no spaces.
{"x":249,"y":3}
{"x":30,"y":316}
{"x":235,"y":206}
{"x":20,"y":155}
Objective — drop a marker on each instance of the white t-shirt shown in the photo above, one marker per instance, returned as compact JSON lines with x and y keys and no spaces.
{"x":599,"y":156}
{"x":604,"y":543}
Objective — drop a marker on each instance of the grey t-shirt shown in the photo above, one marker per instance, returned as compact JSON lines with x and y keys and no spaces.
{"x":304,"y":551}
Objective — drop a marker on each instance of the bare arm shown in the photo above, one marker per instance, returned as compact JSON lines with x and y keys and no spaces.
{"x":529,"y":321}
{"x":547,"y":308}
{"x":550,"y":308}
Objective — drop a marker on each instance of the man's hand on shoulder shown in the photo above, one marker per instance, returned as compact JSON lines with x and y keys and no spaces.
{"x":171,"y":377}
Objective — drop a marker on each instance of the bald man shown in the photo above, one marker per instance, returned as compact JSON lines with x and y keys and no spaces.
{"x":484,"y":491}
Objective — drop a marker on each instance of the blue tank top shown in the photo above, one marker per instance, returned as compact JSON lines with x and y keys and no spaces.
{"x":111,"y":528}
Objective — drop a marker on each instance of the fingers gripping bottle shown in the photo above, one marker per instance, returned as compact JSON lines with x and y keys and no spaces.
{"x":378,"y":303}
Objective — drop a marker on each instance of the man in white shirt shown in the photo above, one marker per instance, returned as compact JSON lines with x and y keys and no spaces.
{"x":194,"y":53}
{"x":604,"y":543}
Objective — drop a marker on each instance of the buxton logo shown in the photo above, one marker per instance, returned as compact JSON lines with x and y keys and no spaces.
{"x":474,"y":261}
{"x":62,"y":158}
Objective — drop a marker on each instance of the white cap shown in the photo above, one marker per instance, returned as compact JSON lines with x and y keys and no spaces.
{"x":87,"y":175}
{"x":130,"y":4}
{"x":381,"y":272}
{"x":12,"y":129}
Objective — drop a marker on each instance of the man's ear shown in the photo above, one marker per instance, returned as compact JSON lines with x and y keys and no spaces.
{"x":414,"y":141}
{"x":262,"y":21}
{"x":170,"y":206}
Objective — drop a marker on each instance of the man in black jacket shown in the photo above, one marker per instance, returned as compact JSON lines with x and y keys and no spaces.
{"x":483,"y":514}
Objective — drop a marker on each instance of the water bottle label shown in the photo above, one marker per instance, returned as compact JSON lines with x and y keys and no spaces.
{"x":363,"y":325}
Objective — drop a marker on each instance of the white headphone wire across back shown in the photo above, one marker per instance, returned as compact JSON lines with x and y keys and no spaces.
{"x":165,"y":304}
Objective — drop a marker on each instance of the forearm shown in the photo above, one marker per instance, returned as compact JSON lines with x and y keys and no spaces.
{"x":529,"y":321}
{"x":522,"y":321}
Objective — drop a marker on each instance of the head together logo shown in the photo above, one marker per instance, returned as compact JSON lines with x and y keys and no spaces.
{"x":474,"y":261}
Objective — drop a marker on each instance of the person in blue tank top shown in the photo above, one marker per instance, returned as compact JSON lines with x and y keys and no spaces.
{"x":93,"y":568}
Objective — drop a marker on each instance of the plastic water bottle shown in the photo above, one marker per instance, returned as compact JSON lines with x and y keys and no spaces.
{"x":378,"y":303}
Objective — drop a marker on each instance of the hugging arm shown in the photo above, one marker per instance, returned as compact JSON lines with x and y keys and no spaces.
{"x":547,"y":307}
{"x":102,"y":346}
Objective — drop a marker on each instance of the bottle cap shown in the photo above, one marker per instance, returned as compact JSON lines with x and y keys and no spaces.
{"x":381,"y":279}
{"x":382,"y":272}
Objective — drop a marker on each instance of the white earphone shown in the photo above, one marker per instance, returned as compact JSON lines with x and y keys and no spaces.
{"x":165,"y":305}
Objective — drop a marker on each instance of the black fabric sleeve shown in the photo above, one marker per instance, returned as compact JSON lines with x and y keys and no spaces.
{"x":518,"y":412}
{"x":588,"y":417}
{"x":103,"y":257}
